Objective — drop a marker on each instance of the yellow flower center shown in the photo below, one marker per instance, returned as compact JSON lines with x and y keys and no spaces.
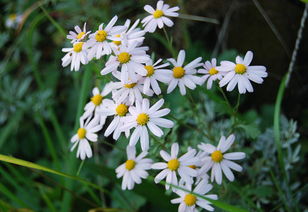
{"x":80,"y":34}
{"x":97,"y":99}
{"x":121,"y":110}
{"x":12,"y":17}
{"x":192,"y":166}
{"x":117,"y":42}
{"x":130,"y":164}
{"x":101,"y":35}
{"x":150,"y":70}
{"x":240,"y":69}
{"x":131,"y":85}
{"x":190,"y":199}
{"x":178,"y":72}
{"x":173,"y":164}
{"x":124,"y":57}
{"x":78,"y":46}
{"x":213,"y":71}
{"x":81,"y":133}
{"x":142,"y":119}
{"x":217,"y":156}
{"x":158,"y":13}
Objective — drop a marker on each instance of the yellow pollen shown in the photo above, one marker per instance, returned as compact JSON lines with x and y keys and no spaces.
{"x":121,"y":110}
{"x":80,"y":34}
{"x":12,"y":17}
{"x":192,"y":166}
{"x":190,"y":199}
{"x":78,"y":46}
{"x":213,"y":71}
{"x":131,"y":85}
{"x":150,"y":70}
{"x":178,"y":72}
{"x":101,"y":35}
{"x":124,"y":57}
{"x":240,"y":69}
{"x":142,"y":119}
{"x":97,"y":99}
{"x":130,"y":164}
{"x":117,"y":42}
{"x":81,"y":133}
{"x":158,"y":13}
{"x":173,"y":164}
{"x":217,"y":156}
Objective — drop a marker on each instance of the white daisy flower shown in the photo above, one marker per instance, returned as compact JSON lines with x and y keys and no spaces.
{"x":13,"y":20}
{"x":219,"y":161}
{"x":131,"y":59}
{"x":75,"y":55}
{"x":210,"y":72}
{"x":99,"y":41}
{"x":119,"y":110}
{"x":189,"y":200}
{"x":97,"y":101}
{"x":86,"y":132}
{"x":174,"y":165}
{"x":240,"y":73}
{"x":159,"y":16}
{"x":134,"y":169}
{"x":130,"y":91}
{"x":155,"y":73}
{"x":79,"y":34}
{"x":131,"y":35}
{"x":144,"y":117}
{"x":183,"y":76}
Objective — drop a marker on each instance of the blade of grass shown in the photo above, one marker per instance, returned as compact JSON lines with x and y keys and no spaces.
{"x":8,"y":129}
{"x":198,"y":18}
{"x":48,"y":140}
{"x":272,"y":26}
{"x":28,"y":164}
{"x":56,"y":24}
{"x":46,"y":199}
{"x":6,"y":192}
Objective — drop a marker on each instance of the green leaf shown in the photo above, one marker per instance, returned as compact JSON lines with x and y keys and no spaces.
{"x":251,"y":130}
{"x":305,"y":1}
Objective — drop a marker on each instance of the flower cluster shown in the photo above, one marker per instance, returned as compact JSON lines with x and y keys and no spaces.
{"x":138,"y":77}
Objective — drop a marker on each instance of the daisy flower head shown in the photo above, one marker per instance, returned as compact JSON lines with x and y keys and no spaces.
{"x":134,"y":169}
{"x":155,"y":72}
{"x":86,"y":132}
{"x":79,"y":34}
{"x":100,"y":40}
{"x":131,"y":35}
{"x":241,"y":73}
{"x":97,"y":100}
{"x":131,"y":59}
{"x":189,"y":200}
{"x":210,"y":72}
{"x":13,"y":20}
{"x":144,"y":118}
{"x":159,"y":16}
{"x":174,"y":164}
{"x":219,"y":161}
{"x":183,"y":76}
{"x":130,"y":91}
{"x":119,"y":110}
{"x":75,"y":55}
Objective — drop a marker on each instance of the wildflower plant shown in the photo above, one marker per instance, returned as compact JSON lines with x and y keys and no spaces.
{"x":134,"y":99}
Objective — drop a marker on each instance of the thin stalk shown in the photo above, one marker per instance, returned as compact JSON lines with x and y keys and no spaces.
{"x":58,"y":26}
